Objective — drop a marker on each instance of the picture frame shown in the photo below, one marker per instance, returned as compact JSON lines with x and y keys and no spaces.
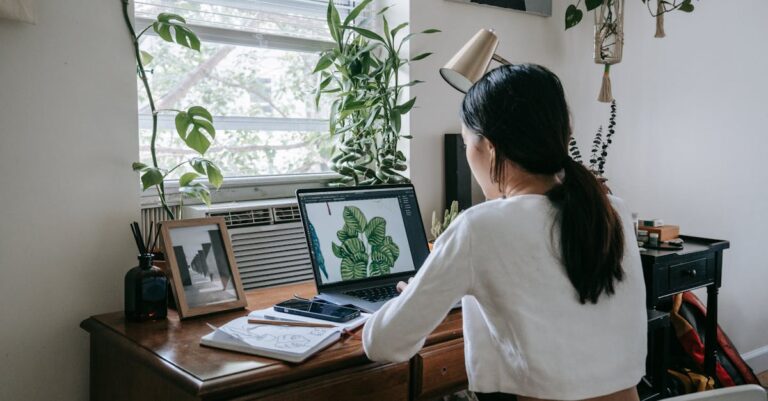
{"x":537,"y":7}
{"x":201,"y":267}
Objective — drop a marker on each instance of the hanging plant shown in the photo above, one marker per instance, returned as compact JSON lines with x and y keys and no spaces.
{"x":574,"y":15}
{"x":609,"y":30}
{"x":362,"y":74}
{"x":600,"y":144}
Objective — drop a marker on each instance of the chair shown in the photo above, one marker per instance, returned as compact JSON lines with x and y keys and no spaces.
{"x":747,"y":392}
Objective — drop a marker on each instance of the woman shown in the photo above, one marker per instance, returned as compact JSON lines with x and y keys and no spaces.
{"x":548,"y":272}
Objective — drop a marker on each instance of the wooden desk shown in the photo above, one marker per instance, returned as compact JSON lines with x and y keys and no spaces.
{"x":164,"y":361}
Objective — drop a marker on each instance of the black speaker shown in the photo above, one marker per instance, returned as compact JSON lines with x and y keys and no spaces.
{"x":458,"y":177}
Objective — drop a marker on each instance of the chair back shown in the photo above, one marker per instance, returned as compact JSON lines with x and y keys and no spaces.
{"x":747,"y":392}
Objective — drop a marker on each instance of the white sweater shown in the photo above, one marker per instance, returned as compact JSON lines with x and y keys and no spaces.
{"x":525,"y":331}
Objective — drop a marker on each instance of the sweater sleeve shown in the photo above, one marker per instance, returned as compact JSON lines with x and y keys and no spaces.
{"x":398,"y":330}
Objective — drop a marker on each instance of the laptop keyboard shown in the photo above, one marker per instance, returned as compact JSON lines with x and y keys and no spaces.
{"x":375,"y":294}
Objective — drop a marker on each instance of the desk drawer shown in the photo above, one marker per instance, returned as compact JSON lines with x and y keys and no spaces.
{"x":439,"y":370}
{"x":387,"y":382}
{"x":690,"y":274}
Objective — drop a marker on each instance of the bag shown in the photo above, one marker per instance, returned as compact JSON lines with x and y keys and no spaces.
{"x":688,"y":318}
{"x":687,"y":381}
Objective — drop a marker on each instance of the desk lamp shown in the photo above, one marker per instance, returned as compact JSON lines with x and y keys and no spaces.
{"x":472,"y":61}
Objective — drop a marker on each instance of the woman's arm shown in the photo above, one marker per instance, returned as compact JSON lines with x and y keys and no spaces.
{"x":398,"y":330}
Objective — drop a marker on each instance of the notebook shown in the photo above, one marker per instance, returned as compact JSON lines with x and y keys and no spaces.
{"x":287,"y":343}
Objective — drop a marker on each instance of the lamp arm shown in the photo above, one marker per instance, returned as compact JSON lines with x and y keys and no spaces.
{"x":501,"y":60}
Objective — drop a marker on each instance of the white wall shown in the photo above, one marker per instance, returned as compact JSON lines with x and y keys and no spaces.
{"x":690,"y":139}
{"x":522,"y":38}
{"x":67,"y":138}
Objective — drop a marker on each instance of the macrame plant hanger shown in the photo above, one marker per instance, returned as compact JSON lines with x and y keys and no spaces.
{"x":609,"y":41}
{"x":659,"y":20}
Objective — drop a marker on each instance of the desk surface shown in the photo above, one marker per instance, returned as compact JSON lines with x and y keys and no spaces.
{"x":172,"y":347}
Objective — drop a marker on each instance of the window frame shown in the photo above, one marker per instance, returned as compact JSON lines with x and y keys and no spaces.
{"x":244,"y":187}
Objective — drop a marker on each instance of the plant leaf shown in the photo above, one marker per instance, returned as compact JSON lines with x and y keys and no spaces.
{"x":195,"y":127}
{"x":572,"y":16}
{"x":151,"y":176}
{"x":421,"y":56}
{"x":338,"y":251}
{"x":356,"y":11}
{"x":406,"y":107}
{"x":181,"y":33}
{"x":687,"y":6}
{"x":592,"y":4}
{"x":325,"y":61}
{"x":197,"y":190}
{"x":395,"y":120}
{"x":366,"y":33}
{"x":333,"y":20}
{"x":146,"y":58}
{"x":136,"y":166}
{"x":351,"y":270}
{"x":397,"y":29}
{"x":376,"y":230}
{"x":354,"y":218}
{"x":208,"y":169}
{"x":187,"y":178}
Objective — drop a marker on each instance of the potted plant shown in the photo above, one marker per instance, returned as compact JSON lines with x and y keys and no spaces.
{"x":438,"y":226}
{"x":600,"y":145}
{"x":194,"y":125}
{"x":362,"y":74}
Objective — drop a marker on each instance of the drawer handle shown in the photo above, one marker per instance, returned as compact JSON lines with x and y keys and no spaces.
{"x":690,"y":272}
{"x":444,"y":371}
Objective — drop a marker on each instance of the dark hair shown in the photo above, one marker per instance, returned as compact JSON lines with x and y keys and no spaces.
{"x":521,"y":110}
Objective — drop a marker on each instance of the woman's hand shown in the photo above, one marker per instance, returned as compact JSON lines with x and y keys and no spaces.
{"x":402,"y":285}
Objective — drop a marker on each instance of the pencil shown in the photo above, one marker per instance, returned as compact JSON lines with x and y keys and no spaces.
{"x":294,"y":324}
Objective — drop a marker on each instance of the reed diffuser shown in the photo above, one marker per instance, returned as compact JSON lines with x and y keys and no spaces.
{"x":146,"y":286}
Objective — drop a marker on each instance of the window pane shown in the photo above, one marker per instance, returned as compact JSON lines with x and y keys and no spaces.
{"x":238,"y":81}
{"x":247,"y":153}
{"x":232,"y":80}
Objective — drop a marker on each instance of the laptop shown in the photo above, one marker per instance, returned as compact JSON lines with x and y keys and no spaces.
{"x":362,"y":241}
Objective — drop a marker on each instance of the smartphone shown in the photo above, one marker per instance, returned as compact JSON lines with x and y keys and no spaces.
{"x":317,"y":310}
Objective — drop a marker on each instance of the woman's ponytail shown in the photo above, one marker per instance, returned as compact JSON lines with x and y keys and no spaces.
{"x":521,"y":110}
{"x":591,"y":235}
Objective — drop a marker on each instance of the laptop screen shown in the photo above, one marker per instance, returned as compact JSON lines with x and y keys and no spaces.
{"x":362,"y":233}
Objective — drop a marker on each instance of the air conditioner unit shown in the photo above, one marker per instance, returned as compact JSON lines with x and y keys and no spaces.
{"x":267,"y":239}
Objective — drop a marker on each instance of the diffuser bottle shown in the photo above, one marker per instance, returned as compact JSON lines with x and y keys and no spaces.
{"x":145,"y":291}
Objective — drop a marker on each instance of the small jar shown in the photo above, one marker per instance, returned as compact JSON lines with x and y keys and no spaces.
{"x":653,"y":239}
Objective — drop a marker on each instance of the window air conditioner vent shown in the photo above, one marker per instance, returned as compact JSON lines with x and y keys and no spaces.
{"x":244,"y":218}
{"x":287,"y":214}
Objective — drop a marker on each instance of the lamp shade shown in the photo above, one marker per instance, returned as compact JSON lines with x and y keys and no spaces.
{"x":471,"y":62}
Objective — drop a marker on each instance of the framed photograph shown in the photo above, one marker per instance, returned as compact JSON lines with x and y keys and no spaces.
{"x":538,"y":7}
{"x":201,"y":266}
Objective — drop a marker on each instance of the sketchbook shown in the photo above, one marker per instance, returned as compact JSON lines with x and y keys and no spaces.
{"x":287,"y":343}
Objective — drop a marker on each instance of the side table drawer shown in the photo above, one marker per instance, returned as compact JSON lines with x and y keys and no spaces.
{"x":690,"y":274}
{"x":439,"y":370}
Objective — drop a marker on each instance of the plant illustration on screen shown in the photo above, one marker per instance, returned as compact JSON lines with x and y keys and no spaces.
{"x":316,"y":247}
{"x":365,"y":249}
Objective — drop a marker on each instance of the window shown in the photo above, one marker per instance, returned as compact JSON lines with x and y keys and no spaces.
{"x":254,"y":74}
